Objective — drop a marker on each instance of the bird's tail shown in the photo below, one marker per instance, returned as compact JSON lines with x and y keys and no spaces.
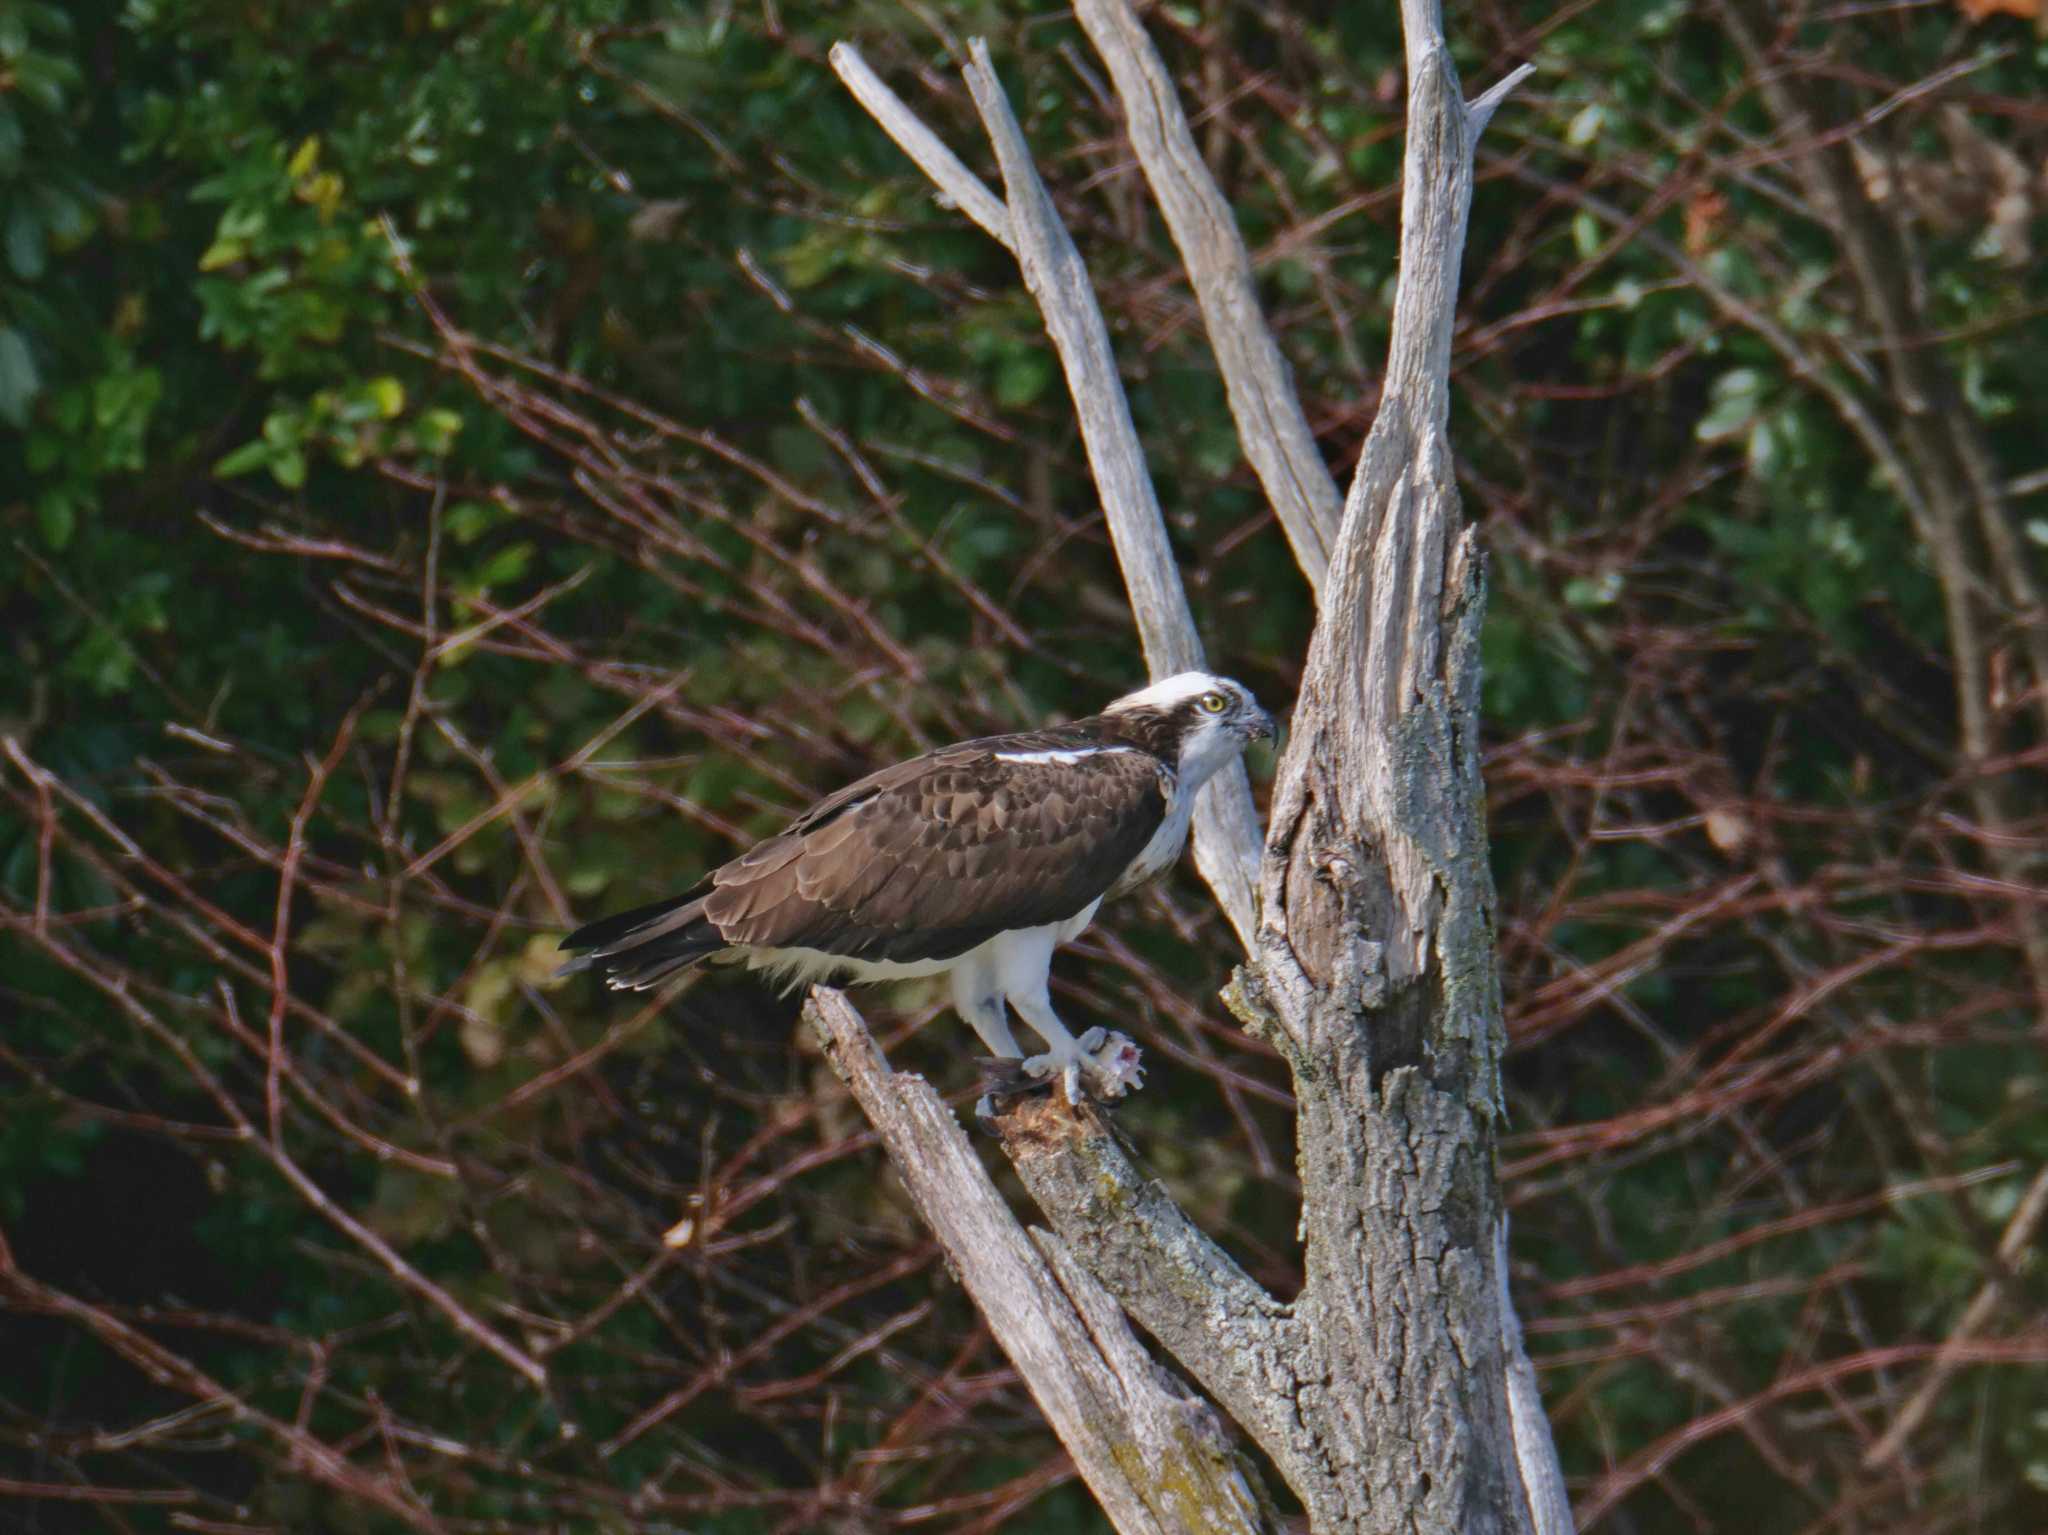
{"x":638,"y":948}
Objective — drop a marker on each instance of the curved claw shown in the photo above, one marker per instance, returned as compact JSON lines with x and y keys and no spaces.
{"x":1064,"y":1064}
{"x":1098,"y":1065}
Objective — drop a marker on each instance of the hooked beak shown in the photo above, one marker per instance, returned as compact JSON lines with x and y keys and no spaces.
{"x":1259,"y":727}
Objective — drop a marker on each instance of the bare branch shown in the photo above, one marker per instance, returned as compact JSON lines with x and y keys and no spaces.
{"x":1550,"y":1506}
{"x":1395,"y":1041}
{"x":1058,"y":280}
{"x":1270,"y":424}
{"x":174,"y":1372}
{"x":1378,"y":828}
{"x":956,"y":183}
{"x":1480,"y":109}
{"x":1226,"y":830}
{"x":2013,"y":1243}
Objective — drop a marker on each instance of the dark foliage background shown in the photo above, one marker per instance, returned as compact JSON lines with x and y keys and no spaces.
{"x":469,"y":465}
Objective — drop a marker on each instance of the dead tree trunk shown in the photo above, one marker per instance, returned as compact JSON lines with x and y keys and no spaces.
{"x":1393,"y":1393}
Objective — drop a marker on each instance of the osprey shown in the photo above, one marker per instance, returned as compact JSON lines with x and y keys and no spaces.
{"x":974,"y":861}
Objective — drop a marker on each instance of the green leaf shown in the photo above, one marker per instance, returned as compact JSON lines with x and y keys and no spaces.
{"x":1585,"y":233}
{"x":1022,"y":379}
{"x":1737,"y":397}
{"x":1588,"y":592}
{"x":467,"y":521}
{"x":43,"y":79}
{"x":388,"y":395}
{"x":436,"y":429}
{"x":1585,"y":126}
{"x":26,"y":251}
{"x":58,"y":517}
{"x":19,"y":381}
{"x":67,"y":218}
{"x":250,"y":455}
{"x":221,"y":253}
{"x":508,"y":564}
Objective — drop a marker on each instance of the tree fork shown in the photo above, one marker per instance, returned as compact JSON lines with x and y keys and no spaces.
{"x":1393,"y":1394}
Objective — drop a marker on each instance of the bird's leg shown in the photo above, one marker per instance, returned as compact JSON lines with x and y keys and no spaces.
{"x":976,"y":998}
{"x":1021,"y":963}
{"x":992,"y":1023}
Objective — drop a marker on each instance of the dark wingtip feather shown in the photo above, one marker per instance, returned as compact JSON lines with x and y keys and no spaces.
{"x":633,"y":948}
{"x":606,"y":931}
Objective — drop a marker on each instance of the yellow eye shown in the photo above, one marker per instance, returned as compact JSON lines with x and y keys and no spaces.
{"x":1214,"y":703}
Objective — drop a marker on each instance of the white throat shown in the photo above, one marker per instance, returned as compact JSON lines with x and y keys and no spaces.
{"x":1203,"y":755}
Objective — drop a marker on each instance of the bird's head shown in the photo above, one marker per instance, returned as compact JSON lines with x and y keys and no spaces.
{"x":1196,"y":721}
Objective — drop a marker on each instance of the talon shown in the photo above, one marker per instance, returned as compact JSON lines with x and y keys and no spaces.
{"x":985,"y":1113}
{"x":1098,"y":1066}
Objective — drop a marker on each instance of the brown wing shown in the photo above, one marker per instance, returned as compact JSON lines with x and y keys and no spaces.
{"x":931,"y":857}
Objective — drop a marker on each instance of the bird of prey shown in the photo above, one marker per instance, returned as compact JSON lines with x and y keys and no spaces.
{"x":974,"y":861}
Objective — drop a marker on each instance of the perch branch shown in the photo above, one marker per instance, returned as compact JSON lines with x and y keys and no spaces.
{"x":1158,"y":1460}
{"x":1394,"y":1394}
{"x":1211,"y":1316}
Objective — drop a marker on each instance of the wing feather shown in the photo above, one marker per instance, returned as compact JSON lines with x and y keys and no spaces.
{"x":932,"y":857}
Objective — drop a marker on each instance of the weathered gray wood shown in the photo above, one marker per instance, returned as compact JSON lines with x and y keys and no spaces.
{"x":1378,"y":828}
{"x":1157,"y":1459}
{"x":1394,"y":1394}
{"x":1270,"y":423}
{"x":1550,"y":1506}
{"x":1225,"y":1330}
{"x":956,"y":183}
